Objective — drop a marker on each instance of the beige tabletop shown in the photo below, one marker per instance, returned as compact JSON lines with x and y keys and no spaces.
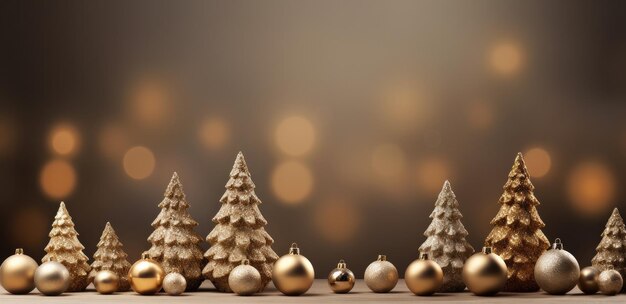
{"x":319,"y":293}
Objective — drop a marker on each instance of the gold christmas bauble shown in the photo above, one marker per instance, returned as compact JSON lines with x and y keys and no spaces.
{"x":341,"y":279}
{"x":381,"y":275}
{"x":588,"y":280}
{"x":484,"y":273}
{"x":52,"y":278}
{"x":174,"y":284}
{"x":17,"y":273}
{"x":610,"y":282}
{"x":293,"y":274}
{"x":146,"y":276}
{"x":106,"y":282}
{"x":556,"y":270}
{"x":423,"y":277}
{"x":244,"y":279}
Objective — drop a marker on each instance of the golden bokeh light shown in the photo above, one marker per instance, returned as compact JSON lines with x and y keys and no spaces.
{"x":150,"y":103}
{"x":506,"y":58}
{"x":388,"y":160}
{"x":480,"y":115}
{"x":337,"y":220}
{"x":292,"y":182}
{"x":139,"y":162}
{"x":29,"y":227}
{"x":64,"y":139}
{"x":295,"y":135}
{"x":538,"y":162}
{"x":404,"y":107}
{"x":58,"y":179}
{"x":431,"y":173}
{"x":113,"y":141}
{"x":214,"y":133}
{"x":591,"y":188}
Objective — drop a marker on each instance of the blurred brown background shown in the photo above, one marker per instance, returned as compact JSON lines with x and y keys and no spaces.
{"x":351,"y":114}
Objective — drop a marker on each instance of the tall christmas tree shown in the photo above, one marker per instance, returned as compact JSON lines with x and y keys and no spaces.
{"x":239,"y":232}
{"x":516,"y":235}
{"x":65,"y":248}
{"x":175,"y":244}
{"x":110,"y":256}
{"x":611,"y":252}
{"x":445,"y":240}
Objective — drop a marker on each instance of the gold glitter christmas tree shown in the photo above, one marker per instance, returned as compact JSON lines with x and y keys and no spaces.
{"x":239,"y":232}
{"x":516,"y":235}
{"x":611,"y":252}
{"x":445,"y":240}
{"x":111,"y":256}
{"x":175,"y":244}
{"x":65,"y":248}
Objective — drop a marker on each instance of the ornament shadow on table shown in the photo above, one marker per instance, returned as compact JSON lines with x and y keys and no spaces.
{"x":239,"y":232}
{"x":175,"y":244}
{"x":146,"y":276}
{"x":341,"y":279}
{"x":611,"y":251}
{"x":381,"y":276}
{"x":111,"y":256}
{"x":65,"y":248}
{"x":516,"y":235}
{"x":557,"y":271}
{"x":445,"y":240}
{"x":485,"y":273}
{"x":293,"y":273}
{"x":423,"y":276}
{"x":17,"y":273}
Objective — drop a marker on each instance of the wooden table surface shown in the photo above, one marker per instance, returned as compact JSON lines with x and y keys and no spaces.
{"x":319,"y":293}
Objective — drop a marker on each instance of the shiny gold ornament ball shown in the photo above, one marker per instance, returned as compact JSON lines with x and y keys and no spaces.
{"x":293,"y":274}
{"x":381,"y":275}
{"x":341,"y":279}
{"x":52,"y":278}
{"x":588,"y":280}
{"x":146,"y":276}
{"x":17,"y":273}
{"x":484,"y":273}
{"x":610,"y":282}
{"x":174,"y":284}
{"x":423,"y":277}
{"x":556,"y":270}
{"x":106,"y":282}
{"x":244,"y":279}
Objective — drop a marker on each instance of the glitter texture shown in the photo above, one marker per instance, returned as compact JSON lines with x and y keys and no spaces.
{"x":611,"y":252}
{"x":110,"y":256}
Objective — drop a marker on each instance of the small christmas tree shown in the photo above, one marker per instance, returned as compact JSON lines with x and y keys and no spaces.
{"x":175,"y":244}
{"x":611,"y":252}
{"x":65,"y":248}
{"x":445,"y":240}
{"x":239,"y":232}
{"x":110,"y":256}
{"x":516,"y":235}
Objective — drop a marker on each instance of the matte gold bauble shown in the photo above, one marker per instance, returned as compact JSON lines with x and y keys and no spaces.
{"x":244,"y":279}
{"x":17,"y":273}
{"x":381,"y":275}
{"x":484,"y":273}
{"x":341,"y":279}
{"x":588,"y":280}
{"x":174,"y":284}
{"x":423,"y":277}
{"x":610,"y":282}
{"x":293,"y":274}
{"x":106,"y":282}
{"x":146,"y":276}
{"x":52,"y":278}
{"x":556,"y":270}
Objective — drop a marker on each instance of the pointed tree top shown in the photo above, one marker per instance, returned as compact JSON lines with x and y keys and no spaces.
{"x":62,"y":210}
{"x":108,"y":228}
{"x":615,"y":213}
{"x":174,"y":185}
{"x":519,"y":161}
{"x":446,"y":187}
{"x":240,"y":164}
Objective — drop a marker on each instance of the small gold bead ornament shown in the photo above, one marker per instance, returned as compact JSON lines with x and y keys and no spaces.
{"x":341,"y":279}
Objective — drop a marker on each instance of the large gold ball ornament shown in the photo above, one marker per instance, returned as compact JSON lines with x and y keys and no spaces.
{"x":146,"y":276}
{"x":423,"y":277}
{"x":52,"y":278}
{"x":244,"y":279}
{"x":610,"y":282}
{"x":588,"y":280}
{"x":174,"y":284}
{"x":17,"y":273}
{"x":484,"y":273}
{"x":341,"y":279}
{"x":106,"y":282}
{"x":556,"y":270}
{"x":381,"y":275}
{"x":293,"y":274}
